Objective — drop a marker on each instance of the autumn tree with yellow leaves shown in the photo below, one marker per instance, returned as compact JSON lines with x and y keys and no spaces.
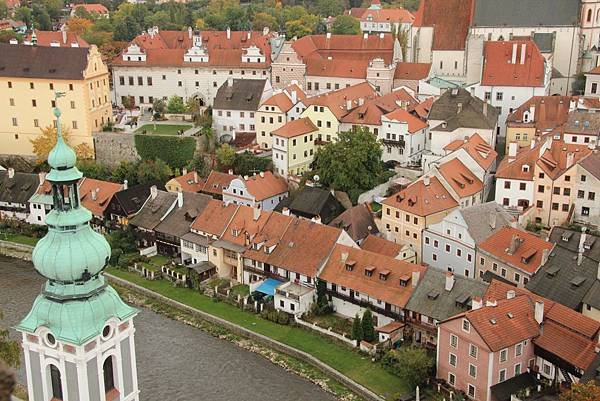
{"x":43,"y":144}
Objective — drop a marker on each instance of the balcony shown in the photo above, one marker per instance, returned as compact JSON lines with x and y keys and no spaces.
{"x":365,"y":304}
{"x":263,"y":273}
{"x":395,"y":143}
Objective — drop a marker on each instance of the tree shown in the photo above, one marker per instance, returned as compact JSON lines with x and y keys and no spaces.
{"x":345,"y":25}
{"x":582,"y":392}
{"x":81,"y":12}
{"x":351,"y":163}
{"x":93,"y":169}
{"x":126,"y":170}
{"x":159,"y":107}
{"x":248,"y":164}
{"x":10,"y":352}
{"x":176,"y":105}
{"x":151,"y":171}
{"x":410,"y":363}
{"x":23,"y":14}
{"x":367,"y":326}
{"x":225,"y":156}
{"x":43,"y":144}
{"x":198,"y":164}
{"x":262,"y":20}
{"x":298,"y":22}
{"x":3,"y":10}
{"x":329,"y":8}
{"x":54,"y":8}
{"x":403,"y":41}
{"x":357,"y":330}
{"x":79,"y":25}
{"x":129,"y":103}
{"x":42,"y":18}
{"x":7,"y":382}
{"x":6,"y":36}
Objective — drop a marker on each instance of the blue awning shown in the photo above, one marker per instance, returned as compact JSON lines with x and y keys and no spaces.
{"x":268,"y":287}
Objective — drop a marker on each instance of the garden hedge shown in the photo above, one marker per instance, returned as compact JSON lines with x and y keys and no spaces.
{"x":175,"y":151}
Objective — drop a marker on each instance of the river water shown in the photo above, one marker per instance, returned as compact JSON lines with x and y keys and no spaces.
{"x":176,"y":362}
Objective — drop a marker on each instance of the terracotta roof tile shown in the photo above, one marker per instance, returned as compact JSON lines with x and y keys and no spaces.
{"x":423,"y":108}
{"x":554,"y":161}
{"x":216,"y":181}
{"x":460,"y":178}
{"x":96,"y":194}
{"x":190,"y":182}
{"x":214,"y":218}
{"x":317,"y":67}
{"x":93,"y":8}
{"x":271,"y":233}
{"x":337,"y":101}
{"x":566,"y":344}
{"x":549,"y":112}
{"x":412,"y":71}
{"x":45,"y":38}
{"x":295,"y":128}
{"x":513,"y":168}
{"x":381,"y":246}
{"x":266,"y":185}
{"x":245,"y":224}
{"x":499,"y":70}
{"x":450,"y":20}
{"x":415,"y":124}
{"x":388,"y":15}
{"x":386,"y":288}
{"x":349,"y":47}
{"x":421,"y":199}
{"x":528,"y":254}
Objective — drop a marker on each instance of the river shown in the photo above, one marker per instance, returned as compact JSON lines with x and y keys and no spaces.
{"x":176,"y":362}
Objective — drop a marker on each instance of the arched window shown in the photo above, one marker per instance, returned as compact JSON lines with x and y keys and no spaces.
{"x":109,"y":378}
{"x":56,"y":383}
{"x":589,"y":15}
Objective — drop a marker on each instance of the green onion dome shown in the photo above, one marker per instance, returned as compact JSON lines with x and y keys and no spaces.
{"x":62,"y":156}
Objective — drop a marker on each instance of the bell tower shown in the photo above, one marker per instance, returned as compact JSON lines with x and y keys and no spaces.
{"x":78,"y":337}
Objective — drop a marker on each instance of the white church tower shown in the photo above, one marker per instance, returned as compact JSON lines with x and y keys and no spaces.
{"x":78,"y":337}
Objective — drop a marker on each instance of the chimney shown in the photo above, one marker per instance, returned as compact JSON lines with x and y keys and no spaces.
{"x":125,"y":184}
{"x":316,"y":219}
{"x":361,"y":101}
{"x":492,"y":219}
{"x":285,"y":211}
{"x":485,"y":108}
{"x":11,"y":172}
{"x":348,"y":104}
{"x":513,"y":59}
{"x":179,"y":199}
{"x":545,"y":254}
{"x":416,"y":276}
{"x":426,"y":180}
{"x":510,"y":294}
{"x":42,"y":177}
{"x":449,"y":281}
{"x":14,"y":41}
{"x":328,"y":36}
{"x":63,"y":32}
{"x":572,"y":104}
{"x":491,"y":302}
{"x":265,"y":31}
{"x":195,"y":177}
{"x":570,"y":159}
{"x":381,"y":35}
{"x":458,"y":108}
{"x":153,"y":192}
{"x":190,"y":32}
{"x":184,"y":171}
{"x":255,"y":213}
{"x":344,"y":257}
{"x":228,"y":33}
{"x":230,"y":172}
{"x":246,"y":178}
{"x":512,"y":149}
{"x":532,"y":112}
{"x":229,"y":81}
{"x":539,"y":311}
{"x":476,"y":303}
{"x":95,"y":193}
{"x":294,"y":96}
{"x":523,"y":52}
{"x":515,"y":242}
{"x":249,"y":35}
{"x":262,"y":174}
{"x":365,"y":36}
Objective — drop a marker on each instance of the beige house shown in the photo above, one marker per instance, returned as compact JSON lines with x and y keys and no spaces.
{"x":273,"y":113}
{"x":30,"y":78}
{"x":406,"y":214}
{"x":587,"y":202}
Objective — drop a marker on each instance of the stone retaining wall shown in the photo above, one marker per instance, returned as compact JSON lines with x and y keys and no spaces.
{"x":14,"y":250}
{"x":113,"y":147}
{"x":266,"y":341}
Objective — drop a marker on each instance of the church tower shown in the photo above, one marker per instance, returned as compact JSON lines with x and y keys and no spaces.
{"x":78,"y":337}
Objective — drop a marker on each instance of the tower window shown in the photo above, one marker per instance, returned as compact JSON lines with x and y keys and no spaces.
{"x":56,"y":383}
{"x":109,"y":377}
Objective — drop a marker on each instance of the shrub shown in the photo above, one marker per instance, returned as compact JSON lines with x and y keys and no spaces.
{"x":283,"y":318}
{"x":175,"y":151}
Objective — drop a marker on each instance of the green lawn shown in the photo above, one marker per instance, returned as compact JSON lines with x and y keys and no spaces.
{"x":20,"y":239}
{"x":338,"y":323}
{"x":159,"y":260}
{"x":162,"y":129}
{"x":336,"y":355}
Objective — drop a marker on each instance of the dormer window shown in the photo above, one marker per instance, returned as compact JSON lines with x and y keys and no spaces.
{"x":527,"y":255}
{"x":350,"y":265}
{"x":383,"y":276}
{"x":404,"y":280}
{"x":235,"y":232}
{"x":525,"y":168}
{"x":369,"y":271}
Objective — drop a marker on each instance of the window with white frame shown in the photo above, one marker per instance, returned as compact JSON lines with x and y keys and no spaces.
{"x":451,"y":379}
{"x":453,"y":341}
{"x":517,"y":369}
{"x":502,"y":375}
{"x":519,"y":349}
{"x":473,"y":350}
{"x":471,"y":391}
{"x":452,"y":359}
{"x":472,"y":371}
{"x":466,"y":325}
{"x":503,"y":355}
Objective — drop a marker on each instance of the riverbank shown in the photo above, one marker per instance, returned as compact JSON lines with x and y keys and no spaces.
{"x":336,"y":356}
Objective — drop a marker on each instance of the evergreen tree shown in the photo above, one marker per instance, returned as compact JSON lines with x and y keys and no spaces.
{"x":357,"y":329}
{"x":367,"y":326}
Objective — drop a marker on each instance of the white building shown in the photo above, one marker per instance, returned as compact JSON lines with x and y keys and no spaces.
{"x":15,"y":191}
{"x":293,"y":298}
{"x":236,"y":104}
{"x":513,"y":72}
{"x":587,"y":202}
{"x":403,"y":137}
{"x":261,"y":191}
{"x":160,"y":64}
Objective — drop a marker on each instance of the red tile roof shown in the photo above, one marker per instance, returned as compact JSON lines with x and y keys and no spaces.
{"x":295,"y":128}
{"x":96,"y":194}
{"x":266,"y":185}
{"x":348,"y":47}
{"x":283,"y":100}
{"x":423,"y":108}
{"x":460,"y":178}
{"x":189,"y":182}
{"x":216,"y":181}
{"x":215,"y":217}
{"x":499,"y":70}
{"x":415,"y":124}
{"x":528,"y":254}
{"x":514,"y":168}
{"x":450,"y":20}
{"x":44,"y":38}
{"x":383,"y":284}
{"x":554,"y":161}
{"x":567,"y":345}
{"x":381,"y":246}
{"x":93,"y":8}
{"x":337,"y":101}
{"x":412,"y":71}
{"x":244,"y":225}
{"x":317,"y":67}
{"x":549,"y":112}
{"x":167,"y":48}
{"x":477,"y":148}
{"x":399,"y":15}
{"x":421,"y":199}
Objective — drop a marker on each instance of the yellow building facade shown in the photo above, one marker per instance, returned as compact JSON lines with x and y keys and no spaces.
{"x":519,"y":133}
{"x":28,"y":92}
